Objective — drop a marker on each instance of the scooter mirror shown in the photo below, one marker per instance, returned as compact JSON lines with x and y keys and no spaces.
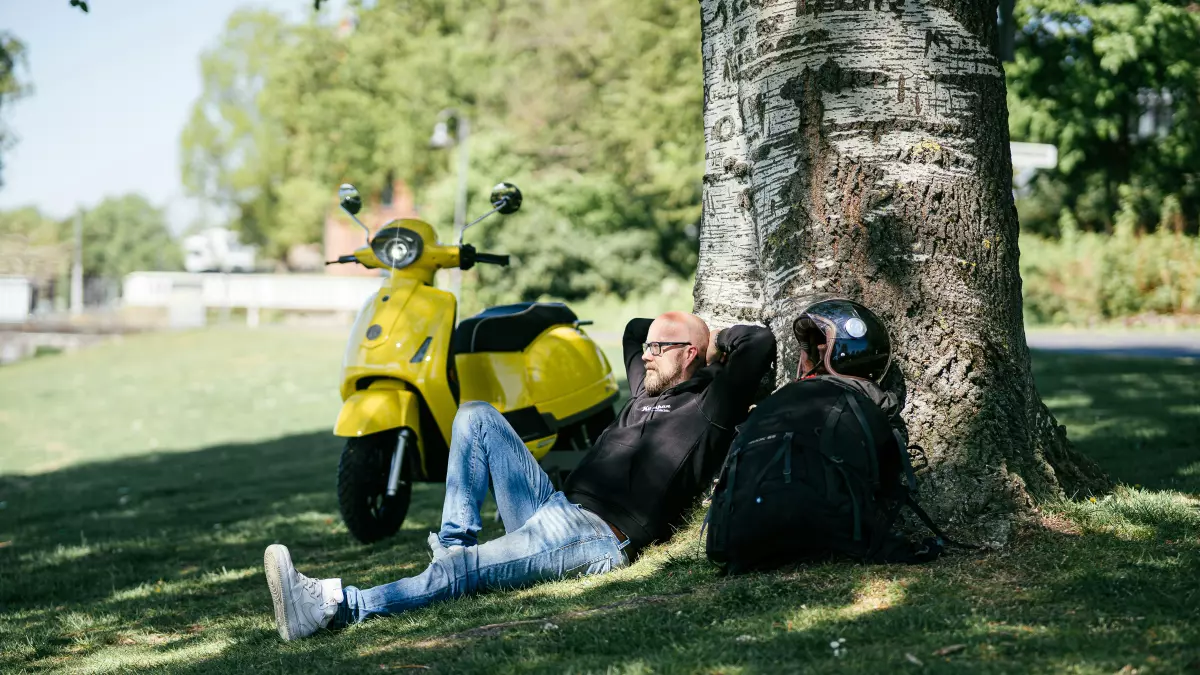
{"x":506,"y":198}
{"x":350,"y":199}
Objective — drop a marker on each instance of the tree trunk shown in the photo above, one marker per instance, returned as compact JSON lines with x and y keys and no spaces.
{"x":861,"y":148}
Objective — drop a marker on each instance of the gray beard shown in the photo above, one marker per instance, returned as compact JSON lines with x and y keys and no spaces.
{"x":655,"y":382}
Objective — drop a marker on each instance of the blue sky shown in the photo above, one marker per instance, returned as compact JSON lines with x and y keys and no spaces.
{"x":112,"y":91}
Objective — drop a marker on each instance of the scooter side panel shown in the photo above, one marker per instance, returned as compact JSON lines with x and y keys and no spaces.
{"x":407,"y":314}
{"x":561,"y":362}
{"x":500,"y":378}
{"x":562,"y":373}
{"x":585,"y":398}
{"x":566,"y":368}
{"x":373,"y":328}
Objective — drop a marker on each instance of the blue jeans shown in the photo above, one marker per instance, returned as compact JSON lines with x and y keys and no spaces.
{"x":546,"y":537}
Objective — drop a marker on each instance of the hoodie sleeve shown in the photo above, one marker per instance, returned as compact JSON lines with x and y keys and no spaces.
{"x":749,"y":351}
{"x":635,"y":369}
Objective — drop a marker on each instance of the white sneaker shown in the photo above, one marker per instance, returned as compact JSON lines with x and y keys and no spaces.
{"x":303,"y":606}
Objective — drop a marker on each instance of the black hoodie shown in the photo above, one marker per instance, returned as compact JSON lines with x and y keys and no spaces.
{"x":650,"y":465}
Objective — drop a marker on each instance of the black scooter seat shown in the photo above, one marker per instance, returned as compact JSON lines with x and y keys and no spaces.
{"x":509,"y":328}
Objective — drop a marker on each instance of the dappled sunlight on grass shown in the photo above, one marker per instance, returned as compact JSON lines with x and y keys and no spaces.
{"x":642,"y":668}
{"x":133,"y":654}
{"x":1136,"y":514}
{"x":874,"y":595}
{"x":1068,"y":400}
{"x":123,"y":560}
{"x":205,"y":582}
{"x":60,"y":554}
{"x":1138,"y":417}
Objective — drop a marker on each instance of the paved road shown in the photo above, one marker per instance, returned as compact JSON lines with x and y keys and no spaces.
{"x":1182,"y":344}
{"x":1133,"y":343}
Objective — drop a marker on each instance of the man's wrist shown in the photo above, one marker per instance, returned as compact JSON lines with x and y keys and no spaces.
{"x":714,"y":349}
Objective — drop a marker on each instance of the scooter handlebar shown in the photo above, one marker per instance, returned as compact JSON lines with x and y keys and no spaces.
{"x":492,"y":259}
{"x":467,"y":257}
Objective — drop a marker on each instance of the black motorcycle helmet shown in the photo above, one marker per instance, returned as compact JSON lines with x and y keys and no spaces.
{"x":856,"y":341}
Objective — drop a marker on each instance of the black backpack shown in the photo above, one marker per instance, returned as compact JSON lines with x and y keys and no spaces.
{"x":816,"y":471}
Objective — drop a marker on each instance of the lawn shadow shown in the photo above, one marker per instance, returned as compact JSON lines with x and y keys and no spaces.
{"x":160,"y":557}
{"x":1112,"y":605}
{"x":1139,"y":418}
{"x":162,"y":541}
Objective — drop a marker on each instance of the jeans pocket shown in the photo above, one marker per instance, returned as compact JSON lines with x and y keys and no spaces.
{"x":600,"y":565}
{"x":601,"y":526}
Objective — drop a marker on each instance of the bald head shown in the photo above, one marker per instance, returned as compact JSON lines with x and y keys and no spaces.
{"x":676,"y":363}
{"x":680,"y":327}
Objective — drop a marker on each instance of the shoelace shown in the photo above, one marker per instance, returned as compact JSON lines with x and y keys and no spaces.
{"x":313,"y":587}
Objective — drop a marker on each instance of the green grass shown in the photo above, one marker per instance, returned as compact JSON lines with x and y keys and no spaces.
{"x":141,"y":481}
{"x":1138,"y":417}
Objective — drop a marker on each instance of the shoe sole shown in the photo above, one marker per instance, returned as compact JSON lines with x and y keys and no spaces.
{"x":277,"y":561}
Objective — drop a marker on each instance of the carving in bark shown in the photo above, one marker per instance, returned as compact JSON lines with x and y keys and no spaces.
{"x":861,"y":147}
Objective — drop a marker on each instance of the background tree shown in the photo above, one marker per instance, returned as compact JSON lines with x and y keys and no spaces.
{"x":31,"y":246}
{"x":120,"y":235}
{"x":861,"y":147}
{"x":603,"y":134}
{"x":32,"y":224}
{"x":125,"y":234}
{"x":12,"y":87}
{"x":232,"y":146}
{"x":1116,"y":86}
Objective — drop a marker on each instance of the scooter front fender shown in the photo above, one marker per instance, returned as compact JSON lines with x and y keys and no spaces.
{"x":373,"y":410}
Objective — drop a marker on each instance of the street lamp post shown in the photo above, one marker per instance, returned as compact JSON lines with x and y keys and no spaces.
{"x":441,"y":139}
{"x":77,"y":267}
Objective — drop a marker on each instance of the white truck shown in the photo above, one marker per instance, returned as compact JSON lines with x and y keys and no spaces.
{"x":217,"y":249}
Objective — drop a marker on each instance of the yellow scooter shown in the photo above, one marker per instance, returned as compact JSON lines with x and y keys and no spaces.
{"x":407,"y":367}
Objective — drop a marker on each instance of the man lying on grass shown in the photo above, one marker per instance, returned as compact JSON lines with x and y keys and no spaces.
{"x":631,"y":489}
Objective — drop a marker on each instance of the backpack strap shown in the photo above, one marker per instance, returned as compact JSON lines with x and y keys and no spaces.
{"x":733,"y":462}
{"x":784,"y":453}
{"x":787,"y":460}
{"x":862,"y":422}
{"x":916,"y":508}
{"x":704,"y":526}
{"x":881,"y":534}
{"x":909,"y":475}
{"x":853,"y":501}
{"x":835,"y":411}
{"x":729,"y":465}
{"x":826,"y":447}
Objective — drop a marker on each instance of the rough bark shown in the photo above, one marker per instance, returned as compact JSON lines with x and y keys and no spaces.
{"x":861,"y":147}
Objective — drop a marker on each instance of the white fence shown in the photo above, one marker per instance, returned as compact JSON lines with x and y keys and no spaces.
{"x":186,"y":295}
{"x":15,"y":296}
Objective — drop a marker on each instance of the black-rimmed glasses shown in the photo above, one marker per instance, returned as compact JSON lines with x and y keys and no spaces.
{"x":656,"y":348}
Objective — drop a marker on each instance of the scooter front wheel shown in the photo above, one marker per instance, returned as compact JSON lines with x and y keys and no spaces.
{"x":368,"y":511}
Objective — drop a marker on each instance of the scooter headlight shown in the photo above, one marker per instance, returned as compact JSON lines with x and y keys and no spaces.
{"x":397,"y":246}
